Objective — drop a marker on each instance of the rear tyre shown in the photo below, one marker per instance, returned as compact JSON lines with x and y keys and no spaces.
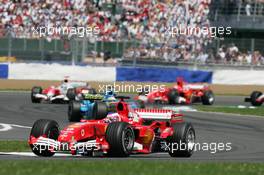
{"x":74,"y":113}
{"x":254,"y":96}
{"x":35,"y":90}
{"x":71,"y":94}
{"x":120,"y":137}
{"x":100,"y":110}
{"x":172,"y":96}
{"x":208,"y":98}
{"x":49,"y":128}
{"x":182,"y":141}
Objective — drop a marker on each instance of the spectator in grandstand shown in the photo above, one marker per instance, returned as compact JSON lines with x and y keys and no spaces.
{"x":248,"y":8}
{"x":260,"y":6}
{"x":202,"y":57}
{"x":256,"y":58}
{"x":248,"y":57}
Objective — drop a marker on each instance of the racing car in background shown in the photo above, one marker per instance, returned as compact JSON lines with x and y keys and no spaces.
{"x":61,"y":94}
{"x":256,"y":98}
{"x":119,"y":134}
{"x":180,"y":93}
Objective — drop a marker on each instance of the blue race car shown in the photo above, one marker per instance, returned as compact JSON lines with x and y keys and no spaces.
{"x":95,"y":106}
{"x":91,"y":107}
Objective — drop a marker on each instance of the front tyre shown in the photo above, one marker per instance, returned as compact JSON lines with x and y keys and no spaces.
{"x":208,"y":98}
{"x":254,"y":96}
{"x":71,"y":94}
{"x":35,"y":90}
{"x":120,"y":137}
{"x":50,"y":129}
{"x":182,"y":142}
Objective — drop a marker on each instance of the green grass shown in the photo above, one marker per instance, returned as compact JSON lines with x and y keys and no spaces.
{"x":258,"y":111}
{"x":13,"y":145}
{"x":130,"y":167}
{"x":94,"y":166}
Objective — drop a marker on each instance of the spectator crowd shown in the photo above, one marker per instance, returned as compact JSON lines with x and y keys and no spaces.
{"x":146,"y":21}
{"x":232,"y":55}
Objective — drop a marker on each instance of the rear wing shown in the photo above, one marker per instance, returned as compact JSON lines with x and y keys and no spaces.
{"x":196,"y":86}
{"x":77,"y":84}
{"x":93,"y":97}
{"x":155,"y":114}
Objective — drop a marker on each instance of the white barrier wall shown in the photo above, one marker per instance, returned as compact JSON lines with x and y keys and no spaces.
{"x":238,"y":77}
{"x":34,"y":71}
{"x":58,"y":72}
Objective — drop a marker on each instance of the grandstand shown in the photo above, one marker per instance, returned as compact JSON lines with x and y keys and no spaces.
{"x":133,"y":32}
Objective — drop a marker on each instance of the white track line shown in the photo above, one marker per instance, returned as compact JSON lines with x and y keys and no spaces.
{"x":30,"y":154}
{"x":20,"y":126}
{"x":8,"y":127}
{"x":5,"y":127}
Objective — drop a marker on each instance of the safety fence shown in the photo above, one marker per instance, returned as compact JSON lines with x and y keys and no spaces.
{"x":80,"y":50}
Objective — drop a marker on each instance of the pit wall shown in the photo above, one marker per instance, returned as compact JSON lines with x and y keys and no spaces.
{"x":23,"y":76}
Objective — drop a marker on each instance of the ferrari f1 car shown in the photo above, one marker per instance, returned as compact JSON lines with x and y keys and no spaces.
{"x":61,"y":94}
{"x":256,"y":98}
{"x":181,"y":93}
{"x":128,"y":131}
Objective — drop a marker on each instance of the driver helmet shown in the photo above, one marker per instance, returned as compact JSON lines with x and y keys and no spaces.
{"x":179,"y":81}
{"x":66,"y":79}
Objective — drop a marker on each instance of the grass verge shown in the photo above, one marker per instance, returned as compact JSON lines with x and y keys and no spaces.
{"x":117,"y":166}
{"x":13,"y":146}
{"x":258,"y":111}
{"x":129,"y":167}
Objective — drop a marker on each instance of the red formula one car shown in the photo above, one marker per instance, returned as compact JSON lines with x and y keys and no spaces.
{"x":61,"y":94}
{"x":128,"y":131}
{"x":256,"y":98}
{"x":181,"y":93}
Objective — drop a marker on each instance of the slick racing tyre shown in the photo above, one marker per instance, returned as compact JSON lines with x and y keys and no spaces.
{"x":254,"y":96}
{"x":74,"y":113}
{"x":100,"y":110}
{"x":208,"y":98}
{"x":50,"y":129}
{"x":173,"y":96}
{"x":120,"y":137}
{"x":71,"y":94}
{"x":182,"y":142}
{"x":35,"y":90}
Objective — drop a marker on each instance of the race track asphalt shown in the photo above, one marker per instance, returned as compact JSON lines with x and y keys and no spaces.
{"x":245,"y":134}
